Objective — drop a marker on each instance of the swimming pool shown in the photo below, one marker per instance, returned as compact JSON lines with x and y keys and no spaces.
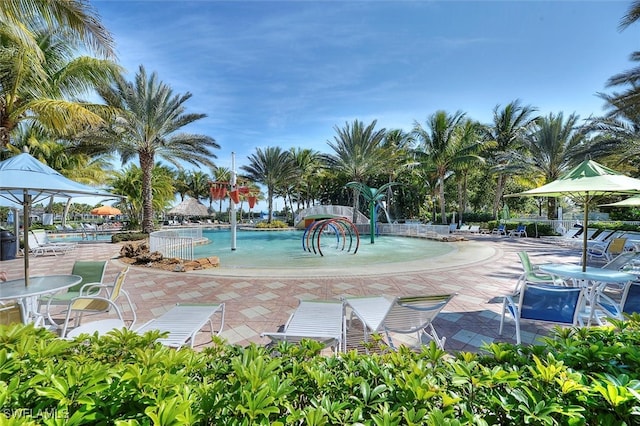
{"x":60,"y":238}
{"x":283,"y":249}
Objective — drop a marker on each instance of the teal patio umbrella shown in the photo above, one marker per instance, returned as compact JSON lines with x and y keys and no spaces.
{"x":582,"y":184}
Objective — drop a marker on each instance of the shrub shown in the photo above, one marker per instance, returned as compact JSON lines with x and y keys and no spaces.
{"x":273,"y":224}
{"x":579,"y":377}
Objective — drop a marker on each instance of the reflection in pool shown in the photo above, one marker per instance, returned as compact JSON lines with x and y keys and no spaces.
{"x":283,"y":249}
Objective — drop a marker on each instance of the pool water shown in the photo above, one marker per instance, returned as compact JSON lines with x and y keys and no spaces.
{"x":283,"y":249}
{"x":68,"y":238}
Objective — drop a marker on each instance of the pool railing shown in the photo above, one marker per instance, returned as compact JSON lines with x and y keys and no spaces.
{"x":175,"y":243}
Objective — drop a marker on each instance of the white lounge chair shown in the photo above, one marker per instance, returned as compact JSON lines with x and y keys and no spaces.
{"x":183,"y":322}
{"x":43,"y":239}
{"x":320,"y":320}
{"x":37,"y":249}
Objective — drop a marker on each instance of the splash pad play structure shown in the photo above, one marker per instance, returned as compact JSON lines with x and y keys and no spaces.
{"x":340,"y":228}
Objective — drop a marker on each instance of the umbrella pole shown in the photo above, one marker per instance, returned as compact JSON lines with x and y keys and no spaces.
{"x":25,"y":234}
{"x":584,"y":232}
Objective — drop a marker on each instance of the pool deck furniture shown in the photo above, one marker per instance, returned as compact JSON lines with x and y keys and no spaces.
{"x":320,"y":320}
{"x":38,"y":286}
{"x":546,"y":303}
{"x":184,"y":321}
{"x":593,"y":279}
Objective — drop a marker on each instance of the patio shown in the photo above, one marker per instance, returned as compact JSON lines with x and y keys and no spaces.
{"x":258,"y":304}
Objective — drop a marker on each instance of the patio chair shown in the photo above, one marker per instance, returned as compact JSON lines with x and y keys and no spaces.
{"x":608,"y":252}
{"x":519,"y":231}
{"x":183,"y":321}
{"x":11,"y":314}
{"x":532,"y":275}
{"x":320,"y":320}
{"x":102,"y":299}
{"x":100,"y":327}
{"x":410,"y":315}
{"x":544,"y":303}
{"x":92,"y":273}
{"x":500,"y":230}
{"x":629,"y":303}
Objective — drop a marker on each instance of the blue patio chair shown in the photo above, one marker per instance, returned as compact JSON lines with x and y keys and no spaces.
{"x":544,"y":303}
{"x":500,"y":230}
{"x":519,"y":231}
{"x":629,"y":302}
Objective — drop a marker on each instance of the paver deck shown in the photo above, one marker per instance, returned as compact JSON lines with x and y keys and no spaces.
{"x":480,"y":271}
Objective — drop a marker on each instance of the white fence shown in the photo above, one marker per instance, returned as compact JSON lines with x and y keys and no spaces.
{"x":175,"y":243}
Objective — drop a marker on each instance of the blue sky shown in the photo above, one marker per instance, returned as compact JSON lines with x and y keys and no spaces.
{"x":271,"y":73}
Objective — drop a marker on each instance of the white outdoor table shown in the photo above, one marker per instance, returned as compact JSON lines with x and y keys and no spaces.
{"x":592,"y":278}
{"x":28,"y":296}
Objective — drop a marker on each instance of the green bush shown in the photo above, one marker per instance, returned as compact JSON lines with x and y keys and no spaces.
{"x":273,"y":224}
{"x":579,"y":377}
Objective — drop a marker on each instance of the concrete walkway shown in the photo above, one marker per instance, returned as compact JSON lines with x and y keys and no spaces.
{"x":480,"y":271}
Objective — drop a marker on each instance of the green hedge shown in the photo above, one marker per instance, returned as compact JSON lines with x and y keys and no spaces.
{"x":580,"y":377}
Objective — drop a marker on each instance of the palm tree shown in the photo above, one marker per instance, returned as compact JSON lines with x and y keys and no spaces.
{"x":308,"y":163}
{"x":507,"y":131}
{"x":442,"y":146}
{"x":271,"y":167}
{"x":221,"y":174}
{"x":181,"y":183}
{"x":128,"y":182}
{"x":41,"y":86}
{"x":80,"y":20}
{"x":198,"y":183}
{"x":551,"y":146}
{"x":397,"y":145}
{"x":150,"y":116}
{"x":358,"y":154}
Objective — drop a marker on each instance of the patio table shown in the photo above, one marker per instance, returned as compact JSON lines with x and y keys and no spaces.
{"x":27,"y":296}
{"x":592,"y":278}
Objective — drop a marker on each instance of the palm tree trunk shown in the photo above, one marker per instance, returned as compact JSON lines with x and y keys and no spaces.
{"x":146,"y":165}
{"x":499,"y":190}
{"x":443,"y":211}
{"x":270,"y":204}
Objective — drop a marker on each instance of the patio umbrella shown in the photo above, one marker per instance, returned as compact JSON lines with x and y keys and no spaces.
{"x":106,"y":211}
{"x":25,"y":180}
{"x":627,"y":202}
{"x":584,"y":182}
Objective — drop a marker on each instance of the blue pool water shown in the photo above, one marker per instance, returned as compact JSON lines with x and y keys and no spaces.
{"x":64,"y":238}
{"x":283,"y":249}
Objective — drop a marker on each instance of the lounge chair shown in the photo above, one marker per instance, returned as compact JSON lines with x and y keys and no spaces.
{"x":320,"y":320}
{"x":500,"y":230}
{"x":37,"y":249}
{"x":546,"y":303}
{"x":410,"y":315}
{"x":43,"y":239}
{"x":474,"y":229}
{"x":183,"y":322}
{"x":100,"y":327}
{"x":103,"y":299}
{"x":629,"y":302}
{"x":463,"y":228}
{"x":519,"y":231}
{"x":92,"y":273}
{"x":608,"y":252}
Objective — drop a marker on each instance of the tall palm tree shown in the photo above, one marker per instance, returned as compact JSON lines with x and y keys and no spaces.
{"x":81,"y":22}
{"x":307,"y":163}
{"x":357,"y":154}
{"x":41,"y":85}
{"x":147,"y":126}
{"x":271,"y":167}
{"x":551,"y":146}
{"x":198,"y":182}
{"x":510,"y":125}
{"x":181,"y":183}
{"x":397,"y":145}
{"x":442,"y":147}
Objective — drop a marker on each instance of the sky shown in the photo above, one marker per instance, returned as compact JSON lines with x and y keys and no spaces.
{"x":288,"y":73}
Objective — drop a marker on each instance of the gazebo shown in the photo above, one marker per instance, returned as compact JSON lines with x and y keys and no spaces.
{"x":189,"y":207}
